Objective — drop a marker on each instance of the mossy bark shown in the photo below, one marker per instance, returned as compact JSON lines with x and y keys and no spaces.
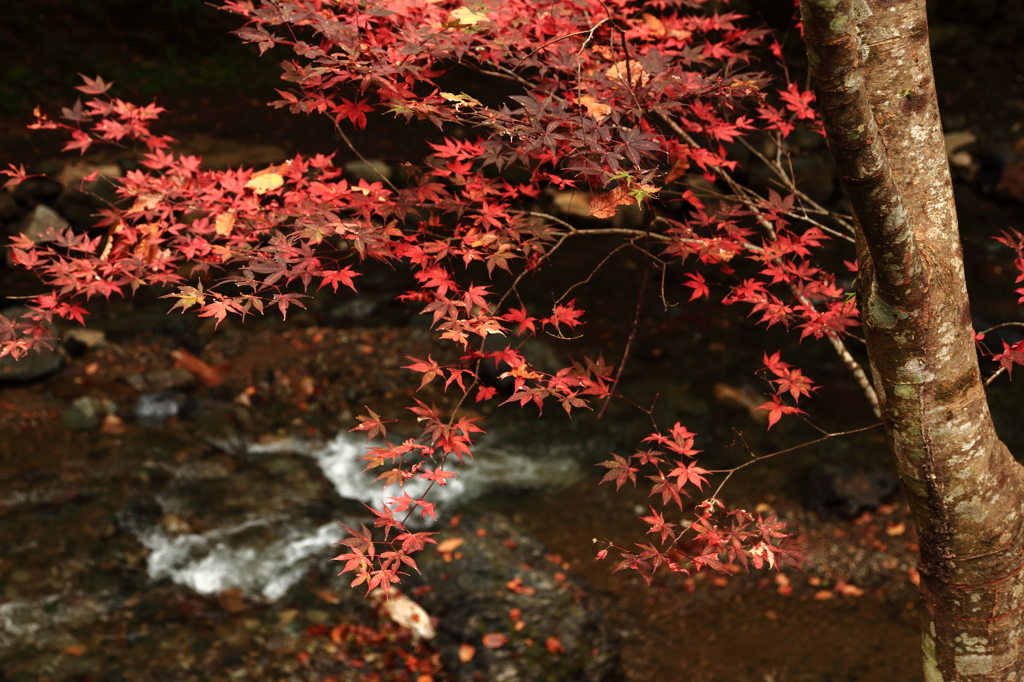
{"x":873,"y":79}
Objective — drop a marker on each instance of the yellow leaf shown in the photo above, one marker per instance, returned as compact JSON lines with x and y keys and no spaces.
{"x":631,"y":71}
{"x":261,"y":184}
{"x":144,"y":202}
{"x":464,"y":16}
{"x":449,"y":545}
{"x":461,"y":100}
{"x":225,"y":222}
{"x":594,"y":108}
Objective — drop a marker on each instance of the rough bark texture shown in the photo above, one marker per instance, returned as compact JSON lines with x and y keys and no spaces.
{"x":872,"y":71}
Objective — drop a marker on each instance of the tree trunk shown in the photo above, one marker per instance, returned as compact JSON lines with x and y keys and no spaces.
{"x":873,"y":78}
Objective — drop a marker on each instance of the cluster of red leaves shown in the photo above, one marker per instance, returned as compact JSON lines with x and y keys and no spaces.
{"x":735,"y":536}
{"x":741,"y":539}
{"x":1012,"y":354}
{"x":620,"y":97}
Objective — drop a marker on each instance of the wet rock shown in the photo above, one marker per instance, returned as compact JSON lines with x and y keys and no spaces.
{"x":89,"y":183}
{"x":35,"y":364}
{"x":955,"y":141}
{"x":37,"y":224}
{"x":498,"y":568}
{"x":40,"y":221}
{"x":87,"y":413}
{"x":259,"y":529}
{"x":834,"y":489}
{"x":161,"y":380}
{"x":77,"y":341}
{"x":360,"y":310}
{"x":370,"y":170}
{"x":154,"y":409}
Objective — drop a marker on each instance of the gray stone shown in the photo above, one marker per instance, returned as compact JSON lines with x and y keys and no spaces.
{"x":154,"y":409}
{"x":158,"y":380}
{"x":370,"y":170}
{"x":90,"y":338}
{"x":835,"y":489}
{"x":86,"y":413}
{"x":39,"y":222}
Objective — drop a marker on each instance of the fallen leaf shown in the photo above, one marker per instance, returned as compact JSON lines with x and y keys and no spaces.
{"x":448,"y":546}
{"x":895,"y":529}
{"x":823,"y":595}
{"x":915,"y":576}
{"x":848,"y":590}
{"x":494,"y":640}
{"x":204,"y":372}
{"x":404,"y":611}
{"x":466,"y":653}
{"x":329,"y":596}
{"x":554,"y":646}
{"x":113,"y":425}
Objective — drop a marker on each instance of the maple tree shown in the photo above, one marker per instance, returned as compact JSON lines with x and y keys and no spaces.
{"x":626,"y":102}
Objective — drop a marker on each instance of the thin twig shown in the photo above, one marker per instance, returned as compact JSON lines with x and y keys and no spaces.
{"x":757,"y":458}
{"x":632,"y":336}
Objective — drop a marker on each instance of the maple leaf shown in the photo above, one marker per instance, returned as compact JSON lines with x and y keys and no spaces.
{"x":429,"y":367}
{"x":386,"y":520}
{"x":415,"y":542}
{"x":1011,"y":355}
{"x":353,"y":111}
{"x":689,"y":473}
{"x":79,"y":140}
{"x":438,"y":476}
{"x":798,"y":102}
{"x":372,"y":424}
{"x":93,"y":86}
{"x":485,"y":393}
{"x":776,"y":408}
{"x":618,"y":471}
{"x":698,"y":284}
{"x":566,"y":314}
{"x":659,"y":525}
{"x":333,"y":277}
